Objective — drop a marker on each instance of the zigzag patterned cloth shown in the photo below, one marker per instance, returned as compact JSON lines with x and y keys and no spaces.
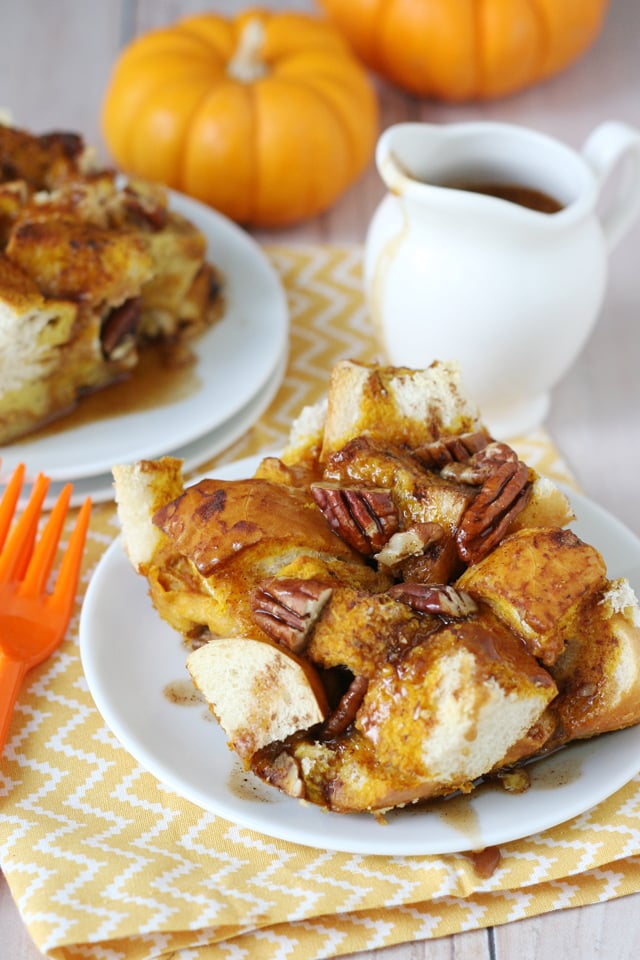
{"x":106,"y":862}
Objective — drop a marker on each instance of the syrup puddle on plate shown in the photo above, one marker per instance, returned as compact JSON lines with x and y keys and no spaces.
{"x":559,"y":769}
{"x":245,"y":786}
{"x":240,"y":782}
{"x":183,"y":694}
{"x":457,"y":811}
{"x":157,"y":381}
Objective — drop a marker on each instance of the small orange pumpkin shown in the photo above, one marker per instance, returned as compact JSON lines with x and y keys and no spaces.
{"x":269,"y":118}
{"x":467,"y":49}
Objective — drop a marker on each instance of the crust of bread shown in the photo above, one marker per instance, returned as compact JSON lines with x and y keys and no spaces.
{"x":533,"y":581}
{"x":140,"y":490}
{"x":104,"y":267}
{"x":599,"y":672}
{"x":547,"y":506}
{"x":235,"y":517}
{"x":245,"y":531}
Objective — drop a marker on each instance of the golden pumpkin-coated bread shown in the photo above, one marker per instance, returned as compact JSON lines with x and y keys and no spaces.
{"x":395,"y":609}
{"x":93,"y":269}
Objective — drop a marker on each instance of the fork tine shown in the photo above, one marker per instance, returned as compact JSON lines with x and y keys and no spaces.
{"x":64,"y":592}
{"x":41,"y":561}
{"x":9,"y":501}
{"x":16,"y":552}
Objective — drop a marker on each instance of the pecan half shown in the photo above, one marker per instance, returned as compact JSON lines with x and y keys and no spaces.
{"x":365,"y":518}
{"x":412,"y":542}
{"x":147,"y":208}
{"x":445,"y":450}
{"x":501,"y":498}
{"x":481,"y":465}
{"x":345,"y":712}
{"x":120,"y":327}
{"x":442,"y":599}
{"x":286,"y":608}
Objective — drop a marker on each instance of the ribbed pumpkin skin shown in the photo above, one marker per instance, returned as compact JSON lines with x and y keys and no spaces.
{"x":457,"y":50}
{"x":265,"y":152}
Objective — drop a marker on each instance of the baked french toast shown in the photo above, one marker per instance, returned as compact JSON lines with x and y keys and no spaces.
{"x":93,"y":269}
{"x":393,"y":609}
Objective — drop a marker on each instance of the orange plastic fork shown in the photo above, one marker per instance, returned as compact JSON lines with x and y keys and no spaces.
{"x":33,"y":621}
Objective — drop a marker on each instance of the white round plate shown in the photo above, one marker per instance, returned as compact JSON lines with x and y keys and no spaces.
{"x":235,"y":359}
{"x":100,"y":487}
{"x":133,"y":662}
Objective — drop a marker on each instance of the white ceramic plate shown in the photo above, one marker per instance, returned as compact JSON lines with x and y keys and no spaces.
{"x":235,"y":359}
{"x":100,"y":487}
{"x":134,"y":665}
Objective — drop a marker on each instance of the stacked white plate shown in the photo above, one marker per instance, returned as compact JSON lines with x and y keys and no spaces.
{"x":240,"y":363}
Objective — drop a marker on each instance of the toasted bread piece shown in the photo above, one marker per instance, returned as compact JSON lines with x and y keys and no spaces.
{"x":547,"y":506}
{"x":598,"y":674}
{"x":31,"y":327}
{"x":43,"y":161}
{"x":178,"y":253}
{"x":411,"y":406}
{"x":82,"y":306}
{"x":76,"y":260}
{"x":452,"y":708}
{"x":215,"y":521}
{"x":343,"y":775}
{"x":140,"y":490}
{"x":360,"y":631}
{"x":228,"y":536}
{"x":258,"y":692}
{"x":13,"y":196}
{"x":533,"y":581}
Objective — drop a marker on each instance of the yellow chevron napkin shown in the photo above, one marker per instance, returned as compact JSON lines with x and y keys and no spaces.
{"x":105,"y":862}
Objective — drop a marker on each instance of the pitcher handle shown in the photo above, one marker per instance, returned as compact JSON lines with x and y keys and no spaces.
{"x":603,"y":149}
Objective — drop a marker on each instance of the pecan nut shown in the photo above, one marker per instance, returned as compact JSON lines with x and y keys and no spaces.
{"x":501,"y":498}
{"x":119,"y":328}
{"x":481,"y":465}
{"x":442,"y":599}
{"x":345,"y":712}
{"x":148,"y":208}
{"x":286,"y":608}
{"x":451,"y":449}
{"x":365,"y":518}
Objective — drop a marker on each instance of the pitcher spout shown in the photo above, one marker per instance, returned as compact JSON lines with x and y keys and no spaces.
{"x":488,"y":159}
{"x":407,"y":153}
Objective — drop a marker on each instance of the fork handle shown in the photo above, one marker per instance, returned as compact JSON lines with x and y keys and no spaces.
{"x":12,"y":673}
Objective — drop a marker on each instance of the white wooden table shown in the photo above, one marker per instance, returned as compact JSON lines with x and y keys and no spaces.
{"x":56,"y":57}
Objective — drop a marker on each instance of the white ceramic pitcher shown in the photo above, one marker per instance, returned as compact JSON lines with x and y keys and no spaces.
{"x":511,"y":292}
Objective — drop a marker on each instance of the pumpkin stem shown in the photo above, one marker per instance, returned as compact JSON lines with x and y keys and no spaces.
{"x":246,"y":65}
